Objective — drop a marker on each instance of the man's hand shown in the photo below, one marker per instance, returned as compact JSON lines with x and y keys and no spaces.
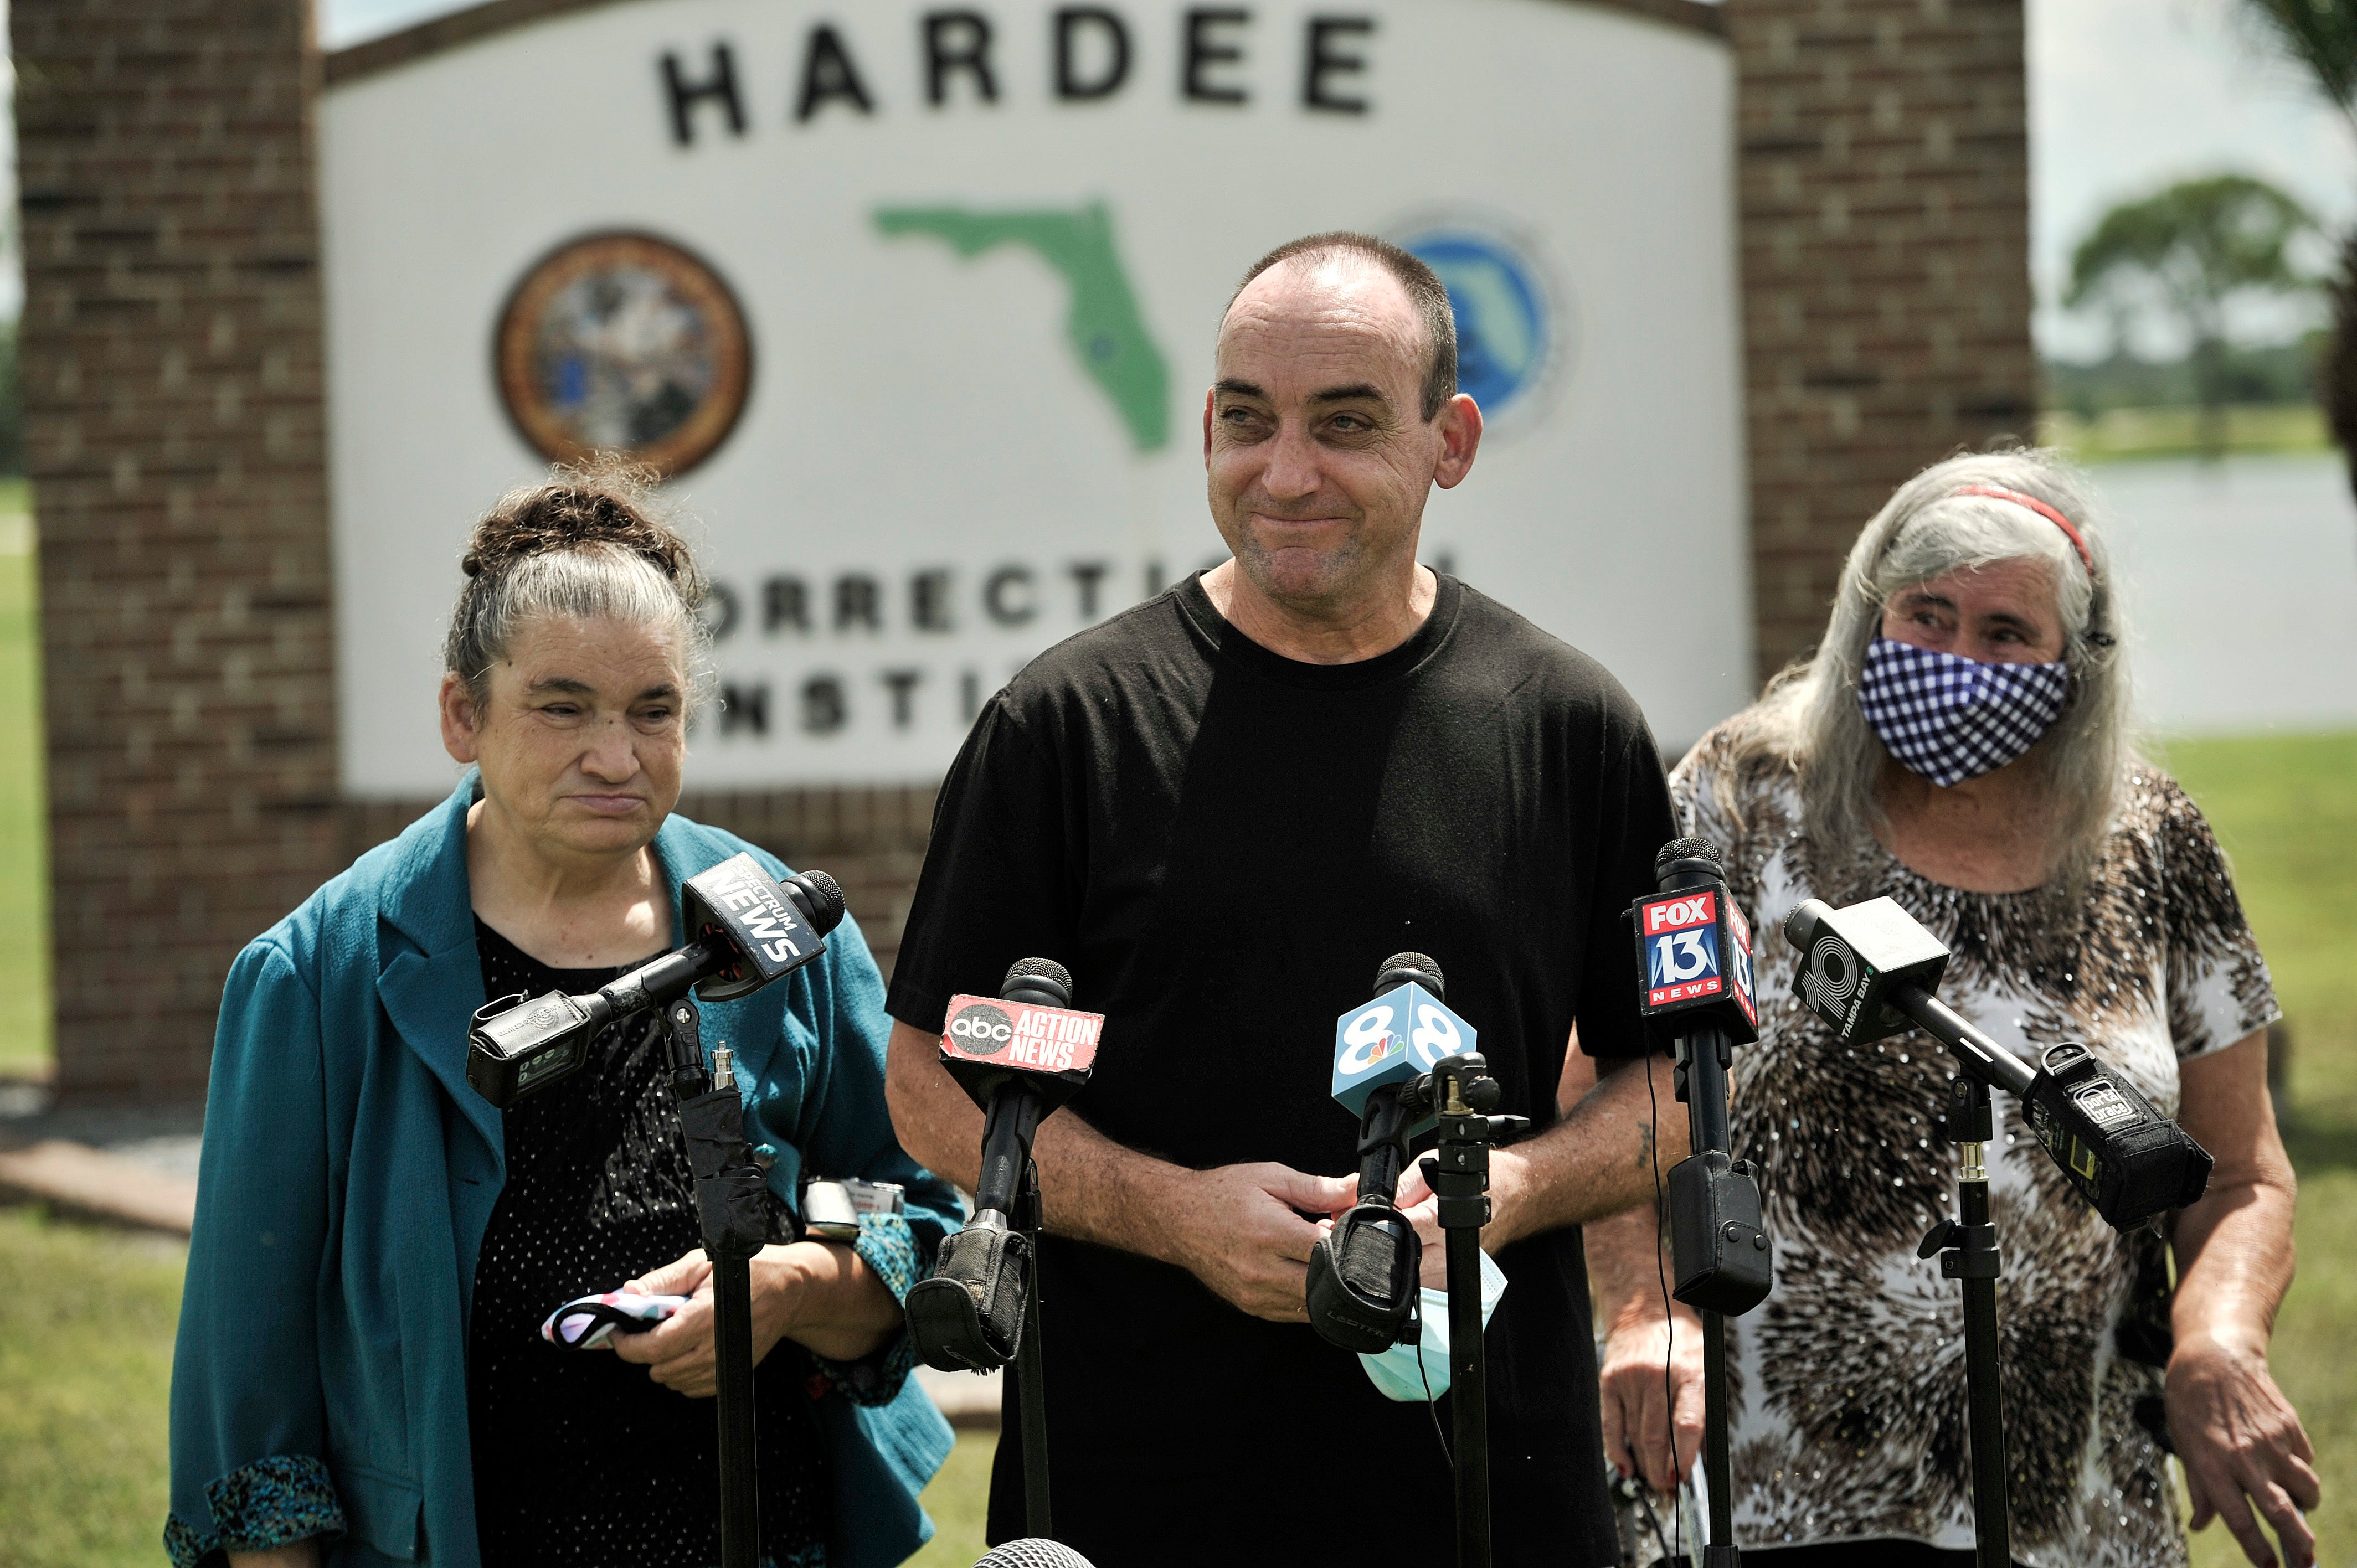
{"x":1509,"y":1178}
{"x":2241,"y":1446}
{"x":1236,"y":1228}
{"x":1636,"y":1396}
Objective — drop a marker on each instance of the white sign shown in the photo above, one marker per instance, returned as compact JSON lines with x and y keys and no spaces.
{"x":980,"y":254}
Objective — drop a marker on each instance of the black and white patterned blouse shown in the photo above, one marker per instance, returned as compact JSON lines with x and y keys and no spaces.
{"x":1848,"y":1382}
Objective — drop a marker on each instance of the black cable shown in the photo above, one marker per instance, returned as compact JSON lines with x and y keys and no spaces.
{"x":1431,"y":1404}
{"x":1669,"y":1318}
{"x":1642,"y":1495}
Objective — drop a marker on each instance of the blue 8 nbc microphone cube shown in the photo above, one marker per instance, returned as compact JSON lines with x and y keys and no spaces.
{"x":1395,"y":1037}
{"x":1693,"y":948}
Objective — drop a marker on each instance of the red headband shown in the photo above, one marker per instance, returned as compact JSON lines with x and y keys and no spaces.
{"x":2042,"y":509}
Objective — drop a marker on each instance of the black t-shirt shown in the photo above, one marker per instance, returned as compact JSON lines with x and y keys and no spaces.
{"x":1223,"y":844}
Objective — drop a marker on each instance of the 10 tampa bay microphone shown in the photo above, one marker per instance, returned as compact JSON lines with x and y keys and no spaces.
{"x":1369,"y":1108}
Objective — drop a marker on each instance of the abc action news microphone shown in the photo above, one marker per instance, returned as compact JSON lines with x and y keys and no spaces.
{"x":1363,"y":1282}
{"x":746,"y":929}
{"x":1869,"y":970}
{"x":1018,"y":1056}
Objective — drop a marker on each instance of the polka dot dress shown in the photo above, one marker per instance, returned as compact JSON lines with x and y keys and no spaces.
{"x":581,"y":1459}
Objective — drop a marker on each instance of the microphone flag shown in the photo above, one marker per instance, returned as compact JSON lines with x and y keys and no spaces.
{"x":1693,"y":947}
{"x":1020,"y":1037}
{"x":1395,"y":1038}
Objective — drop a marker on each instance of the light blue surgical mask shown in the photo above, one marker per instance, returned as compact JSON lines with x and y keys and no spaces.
{"x":1396,"y":1372}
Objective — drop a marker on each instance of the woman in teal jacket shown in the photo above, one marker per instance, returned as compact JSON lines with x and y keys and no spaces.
{"x":359,"y":1378}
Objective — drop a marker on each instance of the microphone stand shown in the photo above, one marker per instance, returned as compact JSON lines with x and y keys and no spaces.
{"x":1031,"y":1373}
{"x":731,"y":1200}
{"x":1458,"y":1173}
{"x":1967,"y":1250}
{"x":1703,"y":1058}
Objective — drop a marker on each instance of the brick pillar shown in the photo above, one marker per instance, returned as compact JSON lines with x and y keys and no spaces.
{"x":173,"y":404}
{"x":1883,"y":177}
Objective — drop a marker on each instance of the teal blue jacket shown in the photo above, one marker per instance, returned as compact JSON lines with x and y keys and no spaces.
{"x":319,"y":1387}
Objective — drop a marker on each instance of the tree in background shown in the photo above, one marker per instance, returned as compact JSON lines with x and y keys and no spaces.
{"x":2321,"y":35}
{"x":2187,"y":251}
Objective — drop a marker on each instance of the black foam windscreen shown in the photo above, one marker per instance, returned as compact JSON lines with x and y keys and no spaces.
{"x":1044,"y":979}
{"x":1404,"y":967}
{"x":1033,"y":1553}
{"x":825,"y":896}
{"x":1688,"y":849}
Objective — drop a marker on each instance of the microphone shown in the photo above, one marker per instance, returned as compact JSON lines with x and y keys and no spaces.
{"x":1019,"y":1055}
{"x":1695,"y":945}
{"x":746,"y":929}
{"x":1693,"y":948}
{"x":1869,"y":972}
{"x":1362,"y":1274}
{"x":1033,"y":1553}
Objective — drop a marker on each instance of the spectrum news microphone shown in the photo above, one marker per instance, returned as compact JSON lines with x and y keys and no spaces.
{"x":1693,"y":949}
{"x":1363,"y":1288}
{"x":1869,"y":970}
{"x":746,"y":929}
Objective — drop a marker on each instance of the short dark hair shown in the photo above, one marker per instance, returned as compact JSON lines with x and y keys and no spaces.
{"x":1424,"y":290}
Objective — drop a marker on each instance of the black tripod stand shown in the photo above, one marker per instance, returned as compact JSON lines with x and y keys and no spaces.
{"x":732,"y":1207}
{"x":1458,"y":1172}
{"x":1723,"y":1258}
{"x":1968,"y":1253}
{"x":1031,"y":1373}
{"x":1868,"y":971}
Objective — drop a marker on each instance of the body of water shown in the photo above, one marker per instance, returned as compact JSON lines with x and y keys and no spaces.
{"x":2240,"y":578}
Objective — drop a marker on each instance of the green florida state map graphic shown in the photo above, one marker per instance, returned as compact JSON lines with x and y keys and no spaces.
{"x":1103,"y":328}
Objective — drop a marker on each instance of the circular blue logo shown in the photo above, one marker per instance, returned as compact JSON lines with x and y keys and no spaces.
{"x":1505,"y":321}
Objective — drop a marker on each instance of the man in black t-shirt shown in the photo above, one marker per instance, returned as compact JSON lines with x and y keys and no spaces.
{"x":1223,"y":809}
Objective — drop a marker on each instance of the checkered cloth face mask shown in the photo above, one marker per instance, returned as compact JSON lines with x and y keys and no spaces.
{"x":1951,"y":718}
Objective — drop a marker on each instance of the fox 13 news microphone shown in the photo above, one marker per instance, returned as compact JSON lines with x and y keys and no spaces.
{"x":1693,"y":948}
{"x":744,"y":931}
{"x":1869,"y":972}
{"x":1018,"y":1056}
{"x":1401,"y":1063}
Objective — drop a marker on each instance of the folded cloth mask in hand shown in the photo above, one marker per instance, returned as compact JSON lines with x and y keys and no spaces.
{"x":1396,"y":1372}
{"x":587,"y":1323}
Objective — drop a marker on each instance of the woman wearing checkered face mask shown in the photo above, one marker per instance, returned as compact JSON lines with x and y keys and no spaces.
{"x":1961,"y":742}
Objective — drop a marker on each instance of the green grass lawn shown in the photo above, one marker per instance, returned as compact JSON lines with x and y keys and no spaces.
{"x":86,"y":1322}
{"x":24,"y":838}
{"x":2130,"y":434}
{"x":2286,"y":809}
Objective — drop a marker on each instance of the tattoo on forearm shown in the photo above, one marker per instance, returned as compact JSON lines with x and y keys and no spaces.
{"x":1644,"y":1144}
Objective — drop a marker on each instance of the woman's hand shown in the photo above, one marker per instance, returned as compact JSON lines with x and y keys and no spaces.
{"x":2241,"y":1446}
{"x":1636,"y":1395}
{"x":819,"y":1294}
{"x":2236,"y":1436}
